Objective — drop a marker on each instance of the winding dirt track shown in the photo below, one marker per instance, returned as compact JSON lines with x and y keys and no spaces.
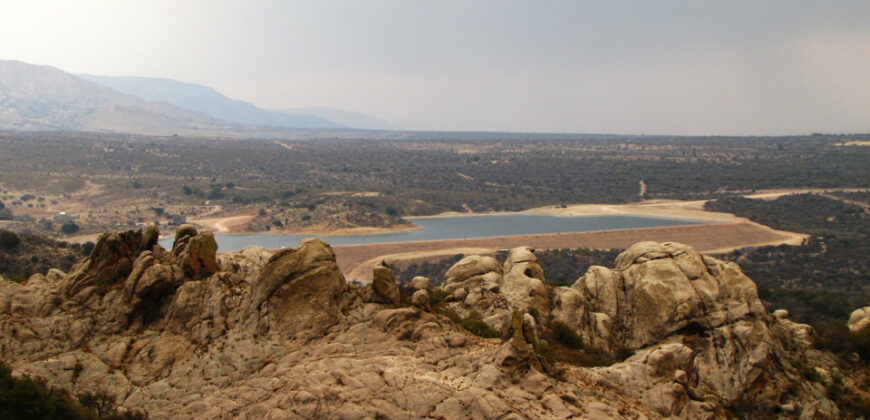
{"x":357,"y":261}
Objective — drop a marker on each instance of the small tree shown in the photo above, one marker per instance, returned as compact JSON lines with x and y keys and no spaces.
{"x":8,"y":240}
{"x":69,"y":227}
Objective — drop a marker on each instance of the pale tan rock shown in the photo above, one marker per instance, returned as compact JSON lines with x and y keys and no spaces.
{"x":246,"y":263}
{"x":298,"y":291}
{"x":284,"y":337}
{"x":523,"y":284}
{"x":384,"y":286}
{"x":473,"y":285}
{"x":420,"y":299}
{"x":859,"y":319}
{"x":420,"y":283}
{"x":112,"y":259}
{"x":469,"y":268}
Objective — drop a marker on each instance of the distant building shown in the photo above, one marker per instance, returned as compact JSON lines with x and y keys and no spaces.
{"x":62,"y":217}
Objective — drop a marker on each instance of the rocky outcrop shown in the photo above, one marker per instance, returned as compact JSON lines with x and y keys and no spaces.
{"x":185,"y":333}
{"x":654,"y":291}
{"x":196,"y":253}
{"x":112,"y":258}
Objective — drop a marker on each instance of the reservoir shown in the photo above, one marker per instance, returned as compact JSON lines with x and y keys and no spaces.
{"x":457,"y":227}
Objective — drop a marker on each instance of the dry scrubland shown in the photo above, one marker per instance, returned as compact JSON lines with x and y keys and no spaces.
{"x":112,"y":181}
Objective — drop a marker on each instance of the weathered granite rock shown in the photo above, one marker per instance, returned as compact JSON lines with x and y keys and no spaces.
{"x":298,"y":291}
{"x":859,"y":319}
{"x":112,"y":258}
{"x":655,"y":291}
{"x":523,"y":284}
{"x":420,"y":283}
{"x":384,"y":286}
{"x":246,"y":263}
{"x":283,"y":336}
{"x":473,"y":286}
{"x":420,"y":299}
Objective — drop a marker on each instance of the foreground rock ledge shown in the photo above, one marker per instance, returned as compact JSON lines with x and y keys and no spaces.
{"x":185,"y":333}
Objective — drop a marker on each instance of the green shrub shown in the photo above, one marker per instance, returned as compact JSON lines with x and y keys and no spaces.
{"x":564,"y":335}
{"x":23,"y":398}
{"x":69,"y":227}
{"x":860,"y":343}
{"x":833,"y":336}
{"x":475,"y":324}
{"x":8,"y":240}
{"x":543,"y":349}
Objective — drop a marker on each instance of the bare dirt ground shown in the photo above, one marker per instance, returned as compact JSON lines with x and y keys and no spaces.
{"x":357,"y":261}
{"x":223,"y":224}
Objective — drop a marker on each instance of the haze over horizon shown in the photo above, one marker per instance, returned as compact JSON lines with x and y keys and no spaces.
{"x":745,"y":67}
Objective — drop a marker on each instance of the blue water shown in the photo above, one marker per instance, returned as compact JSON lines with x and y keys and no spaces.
{"x":458,"y":227}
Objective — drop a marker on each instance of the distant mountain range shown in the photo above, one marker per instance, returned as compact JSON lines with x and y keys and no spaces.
{"x":208,"y":101}
{"x":345,"y":118}
{"x":34,"y":97}
{"x":45,"y":98}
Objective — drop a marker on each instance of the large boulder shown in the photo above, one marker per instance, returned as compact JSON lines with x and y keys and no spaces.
{"x":420,"y":283}
{"x":655,"y":290}
{"x":658,"y":376}
{"x":474,"y":269}
{"x":246,"y":263}
{"x":196,"y":253}
{"x":473,"y":288}
{"x":523,"y":285}
{"x":859,"y":319}
{"x":298,"y":292}
{"x":384,"y":286}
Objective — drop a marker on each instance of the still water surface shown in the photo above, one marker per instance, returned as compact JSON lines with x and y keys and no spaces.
{"x":458,"y":227}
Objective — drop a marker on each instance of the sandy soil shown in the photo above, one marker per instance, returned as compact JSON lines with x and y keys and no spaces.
{"x":665,"y":208}
{"x":223,"y":224}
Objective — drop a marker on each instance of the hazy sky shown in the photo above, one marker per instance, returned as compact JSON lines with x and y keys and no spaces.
{"x":681,"y":67}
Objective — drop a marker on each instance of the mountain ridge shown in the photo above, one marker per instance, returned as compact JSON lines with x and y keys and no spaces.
{"x":208,"y":101}
{"x":40,"y":97}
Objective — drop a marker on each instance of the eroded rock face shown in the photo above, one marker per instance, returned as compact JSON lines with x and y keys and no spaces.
{"x":185,"y":334}
{"x":112,"y":258}
{"x":524,"y":285}
{"x":298,"y":291}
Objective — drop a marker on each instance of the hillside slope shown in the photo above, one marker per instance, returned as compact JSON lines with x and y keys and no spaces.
{"x":45,"y":98}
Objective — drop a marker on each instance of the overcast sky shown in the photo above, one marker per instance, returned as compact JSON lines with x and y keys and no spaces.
{"x":677,"y":67}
